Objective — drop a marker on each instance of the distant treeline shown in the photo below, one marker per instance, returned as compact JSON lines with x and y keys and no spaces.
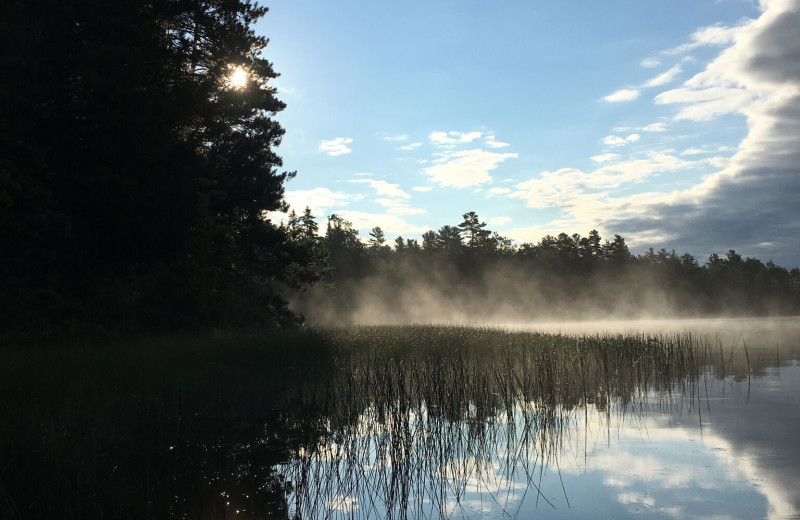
{"x":467,"y":272}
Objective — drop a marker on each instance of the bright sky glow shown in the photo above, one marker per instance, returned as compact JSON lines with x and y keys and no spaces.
{"x":673,"y":123}
{"x":238,"y":78}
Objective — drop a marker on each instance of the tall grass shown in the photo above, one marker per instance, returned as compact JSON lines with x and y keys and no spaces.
{"x":443,"y":410}
{"x":407,"y":419}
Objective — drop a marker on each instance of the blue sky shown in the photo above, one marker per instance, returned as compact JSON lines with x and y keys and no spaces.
{"x":674,"y":123}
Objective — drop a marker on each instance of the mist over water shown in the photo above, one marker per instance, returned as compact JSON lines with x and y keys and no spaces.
{"x":509,"y":296}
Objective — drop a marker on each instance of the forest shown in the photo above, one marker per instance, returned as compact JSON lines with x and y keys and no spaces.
{"x":135,"y":176}
{"x":478,"y":275}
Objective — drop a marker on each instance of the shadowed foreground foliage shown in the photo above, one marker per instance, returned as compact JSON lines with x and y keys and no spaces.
{"x":133,"y":175}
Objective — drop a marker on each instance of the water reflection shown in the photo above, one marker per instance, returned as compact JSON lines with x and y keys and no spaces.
{"x":678,"y":427}
{"x":669,"y":421}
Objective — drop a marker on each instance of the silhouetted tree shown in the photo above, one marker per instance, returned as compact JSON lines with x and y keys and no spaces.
{"x":429,"y":242}
{"x":377,"y":238}
{"x":473,"y":230}
{"x":131,"y":158}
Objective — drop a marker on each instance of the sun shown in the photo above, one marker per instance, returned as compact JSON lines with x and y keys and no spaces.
{"x":238,"y":78}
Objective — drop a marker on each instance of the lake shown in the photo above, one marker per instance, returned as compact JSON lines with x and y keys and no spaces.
{"x":663,"y":419}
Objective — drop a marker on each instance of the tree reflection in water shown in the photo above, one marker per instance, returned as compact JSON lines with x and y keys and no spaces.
{"x":432,"y":422}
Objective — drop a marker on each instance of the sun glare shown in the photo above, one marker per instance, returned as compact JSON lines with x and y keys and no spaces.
{"x":238,"y":78}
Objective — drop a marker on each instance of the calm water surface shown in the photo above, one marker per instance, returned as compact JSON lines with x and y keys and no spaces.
{"x":660,"y":419}
{"x":719,"y":443}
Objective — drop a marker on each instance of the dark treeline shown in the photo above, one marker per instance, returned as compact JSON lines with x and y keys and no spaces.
{"x":134,"y":174}
{"x":467,"y":272}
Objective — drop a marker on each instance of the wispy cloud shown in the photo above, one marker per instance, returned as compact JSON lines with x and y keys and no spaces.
{"x":320,"y":200}
{"x":499,"y":191}
{"x":655,"y":127}
{"x":398,"y":137}
{"x":650,"y":63}
{"x":499,"y":221}
{"x":626,"y":94}
{"x":605,"y":157}
{"x":587,"y":197}
{"x":491,"y":142}
{"x":422,"y":188}
{"x":390,"y":223}
{"x":694,"y":151}
{"x":615,"y":140}
{"x":410,"y":146}
{"x":707,"y":103}
{"x":466,"y":168}
{"x":384,"y":188}
{"x":399,"y":207}
{"x":717,"y":35}
{"x":664,"y":78}
{"x":393,"y":198}
{"x":452,"y":138}
{"x":337,"y":146}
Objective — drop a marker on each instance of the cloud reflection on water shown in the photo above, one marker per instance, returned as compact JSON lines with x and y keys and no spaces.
{"x":722,"y":448}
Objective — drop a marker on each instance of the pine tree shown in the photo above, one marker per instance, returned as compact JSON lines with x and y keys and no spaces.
{"x":153,"y":127}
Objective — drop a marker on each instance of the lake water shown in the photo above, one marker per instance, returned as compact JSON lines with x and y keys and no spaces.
{"x":719,"y":443}
{"x":662,"y":419}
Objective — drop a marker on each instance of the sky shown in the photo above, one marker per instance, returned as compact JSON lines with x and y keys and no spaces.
{"x":675,"y":123}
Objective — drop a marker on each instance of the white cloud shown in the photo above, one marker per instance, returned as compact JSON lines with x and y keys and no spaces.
{"x":452,"y":138}
{"x":664,"y":77}
{"x":655,"y":127}
{"x":705,"y":104}
{"x":587,"y":195}
{"x":422,"y":188}
{"x":499,"y":221}
{"x":320,"y":200}
{"x":605,"y":157}
{"x":636,"y":498}
{"x":398,"y":137}
{"x":626,"y":94}
{"x":614,"y":140}
{"x":694,"y":151}
{"x":399,"y":207}
{"x":650,"y":63}
{"x":410,"y":146}
{"x":364,"y":221}
{"x":384,"y":188}
{"x":465,"y":168}
{"x":719,"y":162}
{"x":337,"y":146}
{"x":714,"y":35}
{"x":499,"y":191}
{"x":492,"y":143}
